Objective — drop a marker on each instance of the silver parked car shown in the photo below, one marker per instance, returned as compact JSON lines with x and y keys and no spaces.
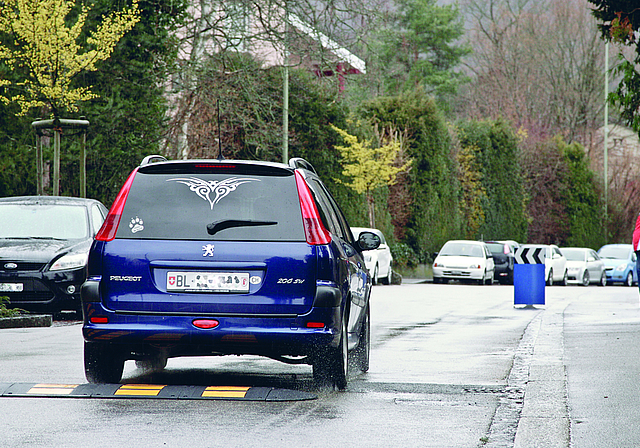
{"x":584,"y":266}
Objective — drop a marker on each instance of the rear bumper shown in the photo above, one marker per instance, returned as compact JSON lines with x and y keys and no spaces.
{"x":176,"y":335}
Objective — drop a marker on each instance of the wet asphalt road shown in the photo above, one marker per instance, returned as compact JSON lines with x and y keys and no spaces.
{"x":451,"y":366}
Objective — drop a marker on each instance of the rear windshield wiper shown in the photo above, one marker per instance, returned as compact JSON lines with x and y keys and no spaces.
{"x":217,"y":226}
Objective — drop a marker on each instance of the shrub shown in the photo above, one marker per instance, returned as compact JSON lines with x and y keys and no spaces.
{"x":8,"y":312}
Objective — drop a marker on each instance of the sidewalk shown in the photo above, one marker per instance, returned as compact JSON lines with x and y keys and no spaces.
{"x":582,"y":388}
{"x":544,"y":421}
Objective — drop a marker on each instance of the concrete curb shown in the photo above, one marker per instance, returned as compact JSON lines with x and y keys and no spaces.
{"x":35,"y":320}
{"x":544,"y":421}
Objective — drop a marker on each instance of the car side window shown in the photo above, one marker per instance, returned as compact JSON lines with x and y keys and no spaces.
{"x":324,"y":207}
{"x":342,"y":221}
{"x":339,"y":224}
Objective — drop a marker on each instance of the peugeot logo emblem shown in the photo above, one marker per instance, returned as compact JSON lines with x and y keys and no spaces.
{"x":10,"y":265}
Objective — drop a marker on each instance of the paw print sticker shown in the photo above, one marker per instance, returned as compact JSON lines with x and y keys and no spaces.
{"x":136,"y":225}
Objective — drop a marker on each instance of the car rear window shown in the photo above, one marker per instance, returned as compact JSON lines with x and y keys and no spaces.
{"x":235,"y":206}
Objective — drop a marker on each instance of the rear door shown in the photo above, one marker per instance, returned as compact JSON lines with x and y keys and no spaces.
{"x":355,"y":282}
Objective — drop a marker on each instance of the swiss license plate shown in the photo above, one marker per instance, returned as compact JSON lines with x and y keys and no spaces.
{"x":11,"y":287}
{"x":208,"y":281}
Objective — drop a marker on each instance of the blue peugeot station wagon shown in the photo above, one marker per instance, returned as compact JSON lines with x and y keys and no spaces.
{"x":221,"y":257}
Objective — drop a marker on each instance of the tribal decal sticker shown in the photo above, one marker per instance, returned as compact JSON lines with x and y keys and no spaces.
{"x":220,"y":189}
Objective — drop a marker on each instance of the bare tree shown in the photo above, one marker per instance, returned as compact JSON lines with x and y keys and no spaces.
{"x":537,"y":63}
{"x":316,"y":35}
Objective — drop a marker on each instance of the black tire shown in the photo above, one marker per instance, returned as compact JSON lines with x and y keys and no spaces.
{"x":585,"y":278}
{"x":629,"y":281}
{"x":437,"y":280}
{"x":102,"y":364}
{"x":550,"y":278}
{"x":330,"y":365}
{"x":565,"y":279}
{"x":603,"y":280}
{"x":387,"y":280}
{"x":363,"y":350}
{"x":374,"y":276}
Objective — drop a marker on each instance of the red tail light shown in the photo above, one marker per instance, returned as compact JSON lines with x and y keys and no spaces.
{"x":313,"y":228}
{"x":110,"y":226}
{"x":206,"y":324}
{"x":99,"y":320}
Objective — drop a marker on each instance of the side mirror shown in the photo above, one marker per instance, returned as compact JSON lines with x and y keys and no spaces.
{"x":368,"y":241}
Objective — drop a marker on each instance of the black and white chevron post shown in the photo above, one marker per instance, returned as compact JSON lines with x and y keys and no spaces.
{"x":531,"y":255}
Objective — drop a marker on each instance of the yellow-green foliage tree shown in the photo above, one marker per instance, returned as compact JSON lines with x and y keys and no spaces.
{"x":368,"y":167}
{"x":473,"y":193}
{"x":47,"y":45}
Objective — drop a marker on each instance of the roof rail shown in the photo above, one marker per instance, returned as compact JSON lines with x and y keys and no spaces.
{"x":152,"y":159}
{"x":298,"y":162}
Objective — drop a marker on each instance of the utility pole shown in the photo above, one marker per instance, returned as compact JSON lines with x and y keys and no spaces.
{"x":285,"y":90}
{"x":606,"y":139}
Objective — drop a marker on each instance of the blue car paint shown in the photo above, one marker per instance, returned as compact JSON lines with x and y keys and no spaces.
{"x":612,"y":265}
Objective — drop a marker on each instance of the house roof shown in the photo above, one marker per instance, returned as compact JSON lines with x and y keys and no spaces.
{"x":342,"y":53}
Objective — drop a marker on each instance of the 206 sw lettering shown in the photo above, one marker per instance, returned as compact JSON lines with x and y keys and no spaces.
{"x":228,"y":257}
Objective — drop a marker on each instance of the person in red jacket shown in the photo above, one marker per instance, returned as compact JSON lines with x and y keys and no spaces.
{"x":636,"y":235}
{"x":636,"y":243}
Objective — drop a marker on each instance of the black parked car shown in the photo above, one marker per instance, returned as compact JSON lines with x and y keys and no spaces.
{"x":503,"y":260}
{"x":44,"y":245}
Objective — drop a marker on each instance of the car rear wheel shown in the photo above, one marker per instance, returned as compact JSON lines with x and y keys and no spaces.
{"x":629,"y":281}
{"x":374,"y":277}
{"x":550,"y":278}
{"x":603,"y":280}
{"x":387,"y":280}
{"x":565,"y":279}
{"x":330,"y":365}
{"x":102,"y":364}
{"x":585,"y":278}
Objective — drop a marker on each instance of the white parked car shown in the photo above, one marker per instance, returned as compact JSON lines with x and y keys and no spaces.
{"x":379,"y":261}
{"x":555,"y":266}
{"x":464,"y":260}
{"x":584,"y":266}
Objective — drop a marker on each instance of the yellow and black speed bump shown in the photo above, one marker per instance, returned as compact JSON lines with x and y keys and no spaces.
{"x":246,"y":393}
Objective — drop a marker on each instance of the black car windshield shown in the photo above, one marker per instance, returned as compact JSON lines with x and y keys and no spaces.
{"x":58,"y":221}
{"x":615,"y":252}
{"x":574,"y":254}
{"x":462,"y":249}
